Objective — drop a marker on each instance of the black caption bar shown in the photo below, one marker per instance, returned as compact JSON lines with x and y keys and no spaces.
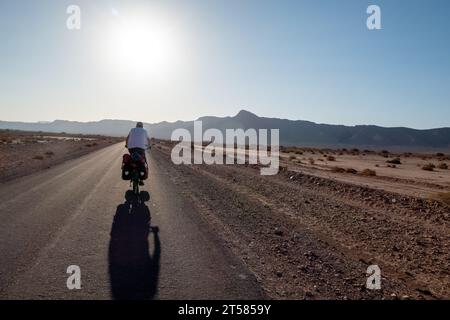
{"x":204,"y":309}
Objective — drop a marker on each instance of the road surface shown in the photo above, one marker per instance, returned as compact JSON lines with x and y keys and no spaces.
{"x":76,"y":214}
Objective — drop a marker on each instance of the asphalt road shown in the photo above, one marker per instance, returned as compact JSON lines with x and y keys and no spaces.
{"x":77,"y":214}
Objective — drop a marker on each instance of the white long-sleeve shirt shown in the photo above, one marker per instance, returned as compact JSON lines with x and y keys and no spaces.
{"x":138,"y":138}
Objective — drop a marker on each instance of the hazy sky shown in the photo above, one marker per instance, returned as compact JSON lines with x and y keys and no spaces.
{"x":168,"y":60}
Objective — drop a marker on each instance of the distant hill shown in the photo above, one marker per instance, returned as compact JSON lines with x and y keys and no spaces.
{"x":292,"y":132}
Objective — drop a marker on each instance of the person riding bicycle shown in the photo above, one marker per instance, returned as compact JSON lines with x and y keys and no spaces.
{"x":138,"y":141}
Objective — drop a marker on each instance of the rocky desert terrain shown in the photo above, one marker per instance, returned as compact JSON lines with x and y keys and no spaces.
{"x":22,"y":153}
{"x":311,"y":231}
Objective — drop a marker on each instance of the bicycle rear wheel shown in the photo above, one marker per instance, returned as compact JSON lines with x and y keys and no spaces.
{"x":136,"y":184}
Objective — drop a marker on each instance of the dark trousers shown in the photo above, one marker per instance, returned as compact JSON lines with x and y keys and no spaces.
{"x":138,"y":150}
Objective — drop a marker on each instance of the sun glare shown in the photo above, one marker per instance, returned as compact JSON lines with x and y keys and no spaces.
{"x":142,"y":47}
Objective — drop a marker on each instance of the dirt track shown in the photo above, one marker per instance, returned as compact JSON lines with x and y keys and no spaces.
{"x":310,"y":237}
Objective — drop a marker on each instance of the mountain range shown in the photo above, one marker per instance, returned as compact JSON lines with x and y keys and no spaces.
{"x":292,"y":132}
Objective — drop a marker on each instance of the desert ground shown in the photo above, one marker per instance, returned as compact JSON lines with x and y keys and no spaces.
{"x":420,"y":175}
{"x":22,"y":153}
{"x":311,"y":231}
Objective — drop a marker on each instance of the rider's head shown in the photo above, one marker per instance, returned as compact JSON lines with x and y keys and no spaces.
{"x":139,"y":125}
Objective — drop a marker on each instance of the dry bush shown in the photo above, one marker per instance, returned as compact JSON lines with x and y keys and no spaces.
{"x":351,"y":170}
{"x":291,"y":158}
{"x":331,"y":158}
{"x":338,"y":169}
{"x":443,"y":166}
{"x":368,"y":173}
{"x":407,"y":154}
{"x":49,"y":153}
{"x":428,"y":167}
{"x":38,"y":157}
{"x":384,"y":153}
{"x":394,"y":161}
{"x":311,"y":161}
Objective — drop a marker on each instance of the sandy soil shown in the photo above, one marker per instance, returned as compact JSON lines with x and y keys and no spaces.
{"x":305,"y":236}
{"x":407,"y":178}
{"x":22,"y":153}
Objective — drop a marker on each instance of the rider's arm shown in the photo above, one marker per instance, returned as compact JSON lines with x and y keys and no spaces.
{"x":126,"y":141}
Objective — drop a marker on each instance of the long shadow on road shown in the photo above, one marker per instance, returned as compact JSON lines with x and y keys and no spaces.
{"x":133,"y":271}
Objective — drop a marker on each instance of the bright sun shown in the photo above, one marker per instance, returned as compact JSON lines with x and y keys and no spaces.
{"x":142,"y":48}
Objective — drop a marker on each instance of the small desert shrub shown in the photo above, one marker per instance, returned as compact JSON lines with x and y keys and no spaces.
{"x":443,"y":166}
{"x":338,"y":169}
{"x":38,"y":157}
{"x":392,"y":166}
{"x":49,"y":153}
{"x":351,"y":170}
{"x":394,"y":161}
{"x":428,"y":167}
{"x":298,"y":152}
{"x":291,"y":158}
{"x":368,"y":173}
{"x":311,"y":161}
{"x":331,"y":158}
{"x":439,"y":154}
{"x":377,"y":165}
{"x":384,"y":153}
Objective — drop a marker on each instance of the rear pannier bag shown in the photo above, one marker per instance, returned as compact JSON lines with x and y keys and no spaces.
{"x":126,"y":167}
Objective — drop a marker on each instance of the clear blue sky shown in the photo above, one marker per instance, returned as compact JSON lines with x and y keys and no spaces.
{"x":312,"y":60}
